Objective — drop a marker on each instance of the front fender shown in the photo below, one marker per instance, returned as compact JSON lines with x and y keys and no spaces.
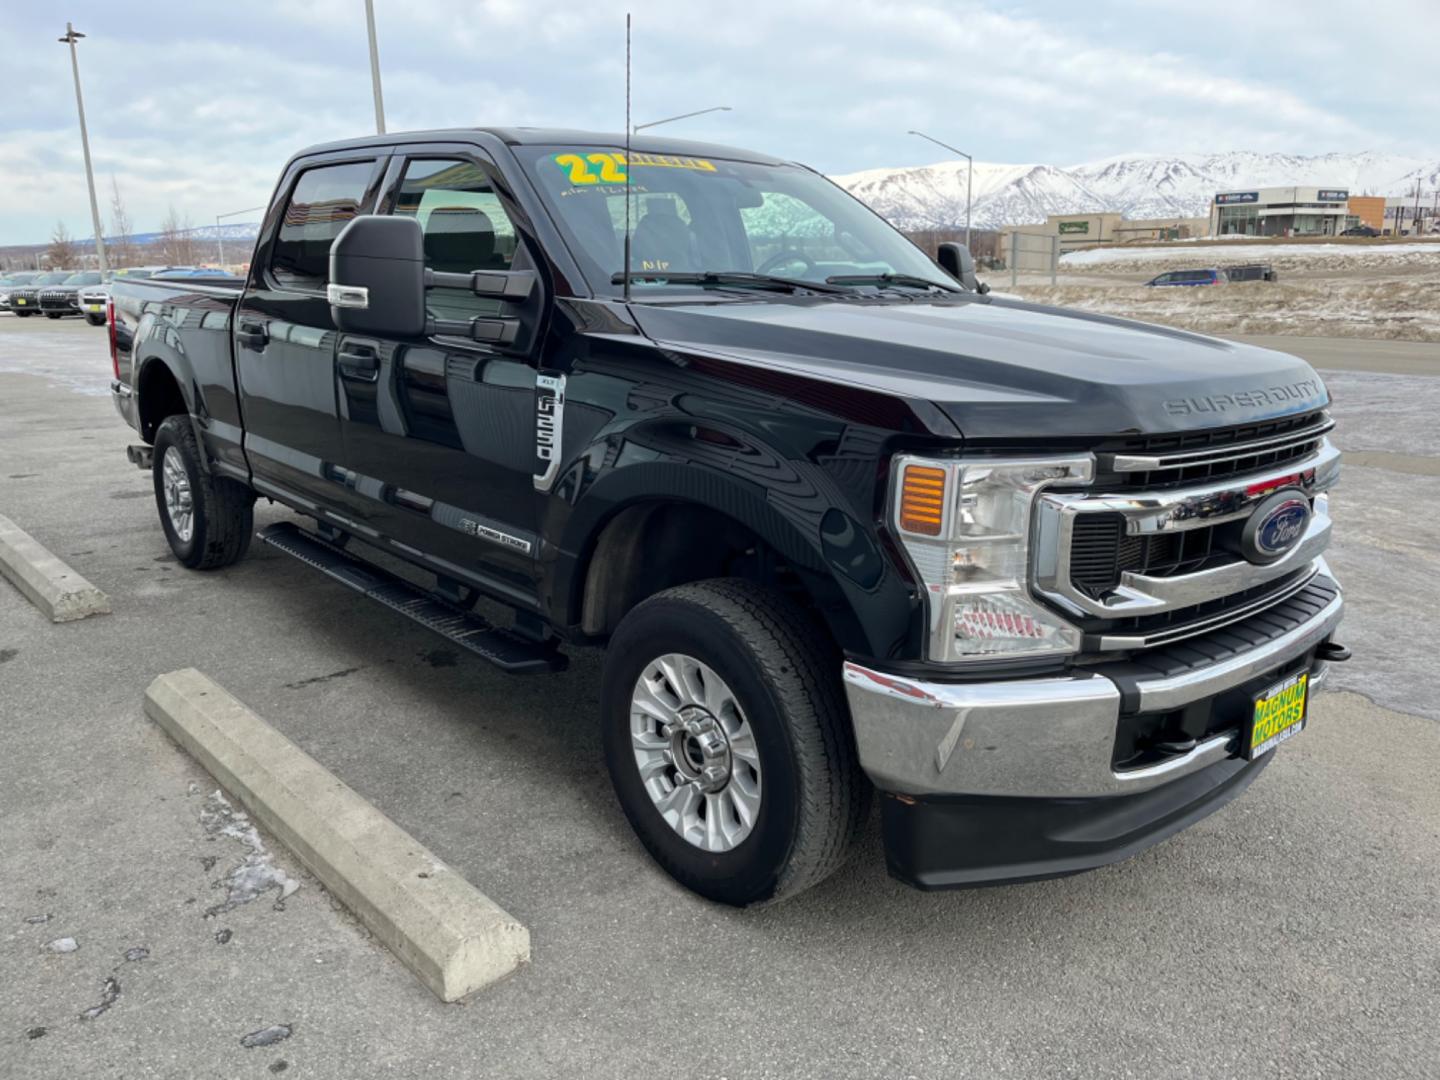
{"x":869,"y":607}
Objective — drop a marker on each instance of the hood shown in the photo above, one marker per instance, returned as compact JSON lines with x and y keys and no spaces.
{"x":1003,"y":369}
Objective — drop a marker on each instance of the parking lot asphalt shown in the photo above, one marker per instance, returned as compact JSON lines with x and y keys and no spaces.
{"x":1294,"y":933}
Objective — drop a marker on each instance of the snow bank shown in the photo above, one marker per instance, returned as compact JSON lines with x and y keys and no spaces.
{"x":1232,"y":252}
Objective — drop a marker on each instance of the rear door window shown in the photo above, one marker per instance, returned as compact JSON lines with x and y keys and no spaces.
{"x":322,"y":202}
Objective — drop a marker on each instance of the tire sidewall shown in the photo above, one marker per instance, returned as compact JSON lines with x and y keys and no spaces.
{"x":188,"y":552}
{"x":751,"y":871}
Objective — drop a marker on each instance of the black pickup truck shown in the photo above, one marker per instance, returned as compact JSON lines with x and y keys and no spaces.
{"x":1050,"y":582}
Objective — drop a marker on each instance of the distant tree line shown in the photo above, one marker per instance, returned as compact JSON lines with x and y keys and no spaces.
{"x":175,"y":246}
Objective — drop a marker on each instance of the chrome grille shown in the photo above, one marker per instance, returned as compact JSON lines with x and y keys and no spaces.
{"x":1134,"y":568}
{"x":1101,"y":551}
{"x":1198,"y":457}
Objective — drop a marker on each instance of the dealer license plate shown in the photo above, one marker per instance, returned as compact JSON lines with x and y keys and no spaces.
{"x":97,"y":308}
{"x":1279,"y":714}
{"x":21,"y":301}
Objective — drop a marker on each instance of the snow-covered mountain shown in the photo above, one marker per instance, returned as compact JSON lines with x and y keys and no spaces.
{"x":241,"y":232}
{"x":1139,"y":186}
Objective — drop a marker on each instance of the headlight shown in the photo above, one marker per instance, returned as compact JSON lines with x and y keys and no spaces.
{"x":966,"y":526}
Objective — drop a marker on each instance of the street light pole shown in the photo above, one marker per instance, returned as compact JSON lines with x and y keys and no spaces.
{"x":682,"y":116}
{"x":969,"y":176}
{"x":232,"y":213}
{"x":71,"y":36}
{"x":375,"y":68}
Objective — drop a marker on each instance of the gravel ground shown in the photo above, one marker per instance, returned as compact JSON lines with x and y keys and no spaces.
{"x":1294,"y":933}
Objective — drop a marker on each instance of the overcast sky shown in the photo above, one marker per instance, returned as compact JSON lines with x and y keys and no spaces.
{"x":199,"y":104}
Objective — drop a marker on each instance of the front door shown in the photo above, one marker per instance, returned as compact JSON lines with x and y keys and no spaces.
{"x":285,"y":336}
{"x":442,"y":433}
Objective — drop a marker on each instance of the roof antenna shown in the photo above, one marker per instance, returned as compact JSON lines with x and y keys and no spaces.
{"x":627,"y":159}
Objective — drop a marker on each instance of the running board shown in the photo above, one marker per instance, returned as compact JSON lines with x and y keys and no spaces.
{"x":505,"y":649}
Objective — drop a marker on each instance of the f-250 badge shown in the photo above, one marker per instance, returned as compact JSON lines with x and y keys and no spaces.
{"x":549,"y":424}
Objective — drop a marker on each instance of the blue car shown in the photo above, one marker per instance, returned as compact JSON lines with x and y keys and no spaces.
{"x":1191,"y":277}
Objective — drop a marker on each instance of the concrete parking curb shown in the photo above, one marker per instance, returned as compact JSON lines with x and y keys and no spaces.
{"x":453,"y":937}
{"x":47,"y":582}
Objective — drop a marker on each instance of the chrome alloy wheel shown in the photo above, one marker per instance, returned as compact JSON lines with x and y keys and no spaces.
{"x":696,"y":753}
{"x":179,"y":502}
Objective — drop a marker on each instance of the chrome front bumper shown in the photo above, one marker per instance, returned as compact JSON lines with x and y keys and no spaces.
{"x":1048,"y":737}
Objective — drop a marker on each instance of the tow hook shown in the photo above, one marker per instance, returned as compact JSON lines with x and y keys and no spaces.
{"x":1332,"y":652}
{"x":142,"y":456}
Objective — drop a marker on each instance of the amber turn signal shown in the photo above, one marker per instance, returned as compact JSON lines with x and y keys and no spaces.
{"x":922,"y":500}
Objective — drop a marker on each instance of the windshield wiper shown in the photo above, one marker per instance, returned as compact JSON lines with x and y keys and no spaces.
{"x":743,"y":278}
{"x":890,"y":279}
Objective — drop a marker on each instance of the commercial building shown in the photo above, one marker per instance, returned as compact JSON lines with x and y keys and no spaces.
{"x":1032,"y":245}
{"x":1280,"y":211}
{"x":1408,"y":215}
{"x":1365,"y":210}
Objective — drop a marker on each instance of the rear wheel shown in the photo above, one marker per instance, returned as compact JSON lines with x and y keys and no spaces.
{"x":207,"y":519}
{"x":728,"y":741}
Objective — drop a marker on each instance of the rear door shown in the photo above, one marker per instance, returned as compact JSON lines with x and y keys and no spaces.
{"x":285,"y":337}
{"x":442,"y":432}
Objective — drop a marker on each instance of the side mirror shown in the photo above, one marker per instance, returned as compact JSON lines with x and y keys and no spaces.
{"x":956,"y":260}
{"x":377,"y":277}
{"x":378,"y":283}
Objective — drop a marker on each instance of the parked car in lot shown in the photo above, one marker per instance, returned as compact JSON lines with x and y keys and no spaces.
{"x":1051,"y":583}
{"x":25,"y":300}
{"x":1361,"y":230}
{"x":63,"y":298}
{"x":1211,"y":276}
{"x":13,"y":281}
{"x":1250,"y":272}
{"x":93,"y":298}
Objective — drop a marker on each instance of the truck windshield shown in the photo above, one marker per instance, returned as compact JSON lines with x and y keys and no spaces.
{"x":53,"y":279}
{"x":91,"y":277}
{"x":702,"y":219}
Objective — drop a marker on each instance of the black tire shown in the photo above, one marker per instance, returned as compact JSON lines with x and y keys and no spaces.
{"x":24,"y":314}
{"x":52,"y":314}
{"x":95,"y":320}
{"x":786,"y":677}
{"x":223,"y":510}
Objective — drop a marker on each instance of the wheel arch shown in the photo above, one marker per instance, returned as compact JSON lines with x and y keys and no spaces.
{"x":610,"y":561}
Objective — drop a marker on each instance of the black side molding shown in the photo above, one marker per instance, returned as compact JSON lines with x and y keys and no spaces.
{"x":505,"y":649}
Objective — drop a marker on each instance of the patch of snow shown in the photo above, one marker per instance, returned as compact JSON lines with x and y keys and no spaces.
{"x":63,"y":945}
{"x":1258,"y":252}
{"x":257,"y":873}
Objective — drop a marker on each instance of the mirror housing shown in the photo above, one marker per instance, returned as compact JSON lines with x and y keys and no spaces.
{"x":377,"y":277}
{"x":378,"y":282}
{"x":956,"y":260}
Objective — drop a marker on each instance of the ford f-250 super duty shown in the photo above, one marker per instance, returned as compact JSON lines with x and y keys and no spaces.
{"x":1050,"y":582}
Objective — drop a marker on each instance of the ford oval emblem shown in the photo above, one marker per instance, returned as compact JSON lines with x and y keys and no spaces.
{"x":1275,"y":527}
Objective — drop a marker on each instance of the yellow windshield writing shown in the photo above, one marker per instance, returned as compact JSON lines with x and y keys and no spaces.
{"x":608,"y":167}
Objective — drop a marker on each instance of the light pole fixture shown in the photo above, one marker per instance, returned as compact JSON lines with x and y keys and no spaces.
{"x":220,"y":243}
{"x":71,"y":37}
{"x":682,"y":116}
{"x":969,"y":175}
{"x":375,"y":68}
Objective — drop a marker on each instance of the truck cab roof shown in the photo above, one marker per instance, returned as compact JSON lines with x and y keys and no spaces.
{"x":528,"y":136}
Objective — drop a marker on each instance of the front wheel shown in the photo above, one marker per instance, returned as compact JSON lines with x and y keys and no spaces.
{"x":207,"y":519}
{"x":95,"y":320}
{"x":24,"y":314}
{"x":728,"y":741}
{"x":52,"y":314}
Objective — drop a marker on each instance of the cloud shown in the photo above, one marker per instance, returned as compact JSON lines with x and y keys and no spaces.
{"x":200,"y":107}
